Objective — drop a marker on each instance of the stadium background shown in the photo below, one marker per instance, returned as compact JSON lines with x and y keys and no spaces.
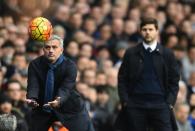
{"x":96,"y":34}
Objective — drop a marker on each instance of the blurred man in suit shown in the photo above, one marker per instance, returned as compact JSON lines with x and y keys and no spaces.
{"x":51,"y":91}
{"x":148,"y":82}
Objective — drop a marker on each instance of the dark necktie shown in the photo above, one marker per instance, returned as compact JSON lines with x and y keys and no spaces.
{"x":49,"y":86}
{"x":149,"y":49}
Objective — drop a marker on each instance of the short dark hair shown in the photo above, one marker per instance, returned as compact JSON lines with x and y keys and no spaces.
{"x":190,"y":47}
{"x":13,"y":81}
{"x":147,"y":20}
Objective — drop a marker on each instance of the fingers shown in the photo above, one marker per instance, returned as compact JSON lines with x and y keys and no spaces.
{"x":35,"y":104}
{"x":54,"y":103}
{"x":28,"y":101}
{"x":32,"y":103}
{"x":58,"y":98}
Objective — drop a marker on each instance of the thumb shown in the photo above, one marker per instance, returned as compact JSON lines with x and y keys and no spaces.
{"x":58,"y":98}
{"x":51,"y":102}
{"x":28,"y":100}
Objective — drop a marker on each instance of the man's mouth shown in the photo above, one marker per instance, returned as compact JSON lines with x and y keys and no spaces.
{"x":147,"y":37}
{"x":51,"y":55}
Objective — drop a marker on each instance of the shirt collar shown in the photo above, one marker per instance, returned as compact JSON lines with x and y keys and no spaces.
{"x":193,"y":89}
{"x":152,"y":45}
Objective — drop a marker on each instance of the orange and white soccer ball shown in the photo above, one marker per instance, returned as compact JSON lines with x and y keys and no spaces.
{"x":40,"y":29}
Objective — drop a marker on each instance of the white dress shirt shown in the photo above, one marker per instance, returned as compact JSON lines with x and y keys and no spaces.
{"x":152,"y":45}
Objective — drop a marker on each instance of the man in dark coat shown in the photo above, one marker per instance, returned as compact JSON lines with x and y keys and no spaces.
{"x":51,"y":91}
{"x":148,"y":83}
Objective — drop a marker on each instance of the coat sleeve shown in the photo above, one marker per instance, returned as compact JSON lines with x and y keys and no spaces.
{"x":68,"y":83}
{"x":123,"y":79}
{"x":173,"y":79}
{"x":32,"y":83}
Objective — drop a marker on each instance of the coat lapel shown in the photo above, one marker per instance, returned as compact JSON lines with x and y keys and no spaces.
{"x":157,"y":60}
{"x":140,"y":53}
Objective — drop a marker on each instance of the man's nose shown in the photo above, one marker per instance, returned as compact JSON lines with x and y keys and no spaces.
{"x":50,"y":49}
{"x":147,"y":31}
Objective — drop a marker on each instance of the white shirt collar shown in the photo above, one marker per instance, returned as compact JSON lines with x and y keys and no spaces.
{"x":193,"y":89}
{"x":152,"y":45}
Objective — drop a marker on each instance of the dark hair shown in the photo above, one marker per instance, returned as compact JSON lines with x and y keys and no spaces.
{"x":19,"y":54}
{"x":13,"y":81}
{"x":146,"y":21}
{"x":102,"y":89}
{"x":85,"y":43}
{"x":191,"y":47}
{"x":178,"y":48}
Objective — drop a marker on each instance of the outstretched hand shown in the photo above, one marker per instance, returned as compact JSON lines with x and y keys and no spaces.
{"x":32,"y":103}
{"x":54,"y":104}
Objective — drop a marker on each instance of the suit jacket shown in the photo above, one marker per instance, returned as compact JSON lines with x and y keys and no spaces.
{"x":165,"y":66}
{"x":64,"y":86}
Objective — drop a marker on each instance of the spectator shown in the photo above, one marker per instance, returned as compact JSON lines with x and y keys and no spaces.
{"x":104,"y":35}
{"x":191,"y":84}
{"x":191,"y":117}
{"x":20,"y":45}
{"x":60,"y":31}
{"x":7,"y":110}
{"x":89,"y":77}
{"x":5,"y":104}
{"x":182,"y":94}
{"x":86,"y":50}
{"x":20,"y":63}
{"x":89,"y":26}
{"x":182,"y":111}
{"x":101,"y":113}
{"x":120,"y":51}
{"x":112,"y":87}
{"x":7,"y":53}
{"x":103,"y":54}
{"x":192,"y":101}
{"x":16,"y":93}
{"x":101,"y":79}
{"x":72,"y":50}
{"x":7,"y":122}
{"x":76,"y":21}
{"x":82,"y":63}
{"x":1,"y":78}
{"x":189,"y":62}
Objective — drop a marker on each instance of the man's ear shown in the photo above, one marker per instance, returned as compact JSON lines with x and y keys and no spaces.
{"x":62,"y":50}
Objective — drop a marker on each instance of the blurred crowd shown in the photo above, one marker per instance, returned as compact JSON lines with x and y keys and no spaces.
{"x":96,"y":34}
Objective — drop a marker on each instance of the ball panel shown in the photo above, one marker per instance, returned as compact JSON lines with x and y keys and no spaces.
{"x":40,"y":29}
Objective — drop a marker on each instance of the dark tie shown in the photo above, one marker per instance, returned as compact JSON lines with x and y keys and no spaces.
{"x":49,"y":87}
{"x":49,"y":84}
{"x":149,"y":49}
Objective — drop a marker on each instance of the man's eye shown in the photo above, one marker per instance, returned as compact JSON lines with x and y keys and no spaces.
{"x":54,"y":47}
{"x":47,"y":47}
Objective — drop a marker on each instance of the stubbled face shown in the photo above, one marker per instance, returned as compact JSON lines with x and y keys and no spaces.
{"x":52,"y":50}
{"x":149,"y":33}
{"x":14,"y":91}
{"x":182,"y":114}
{"x":6,"y":107}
